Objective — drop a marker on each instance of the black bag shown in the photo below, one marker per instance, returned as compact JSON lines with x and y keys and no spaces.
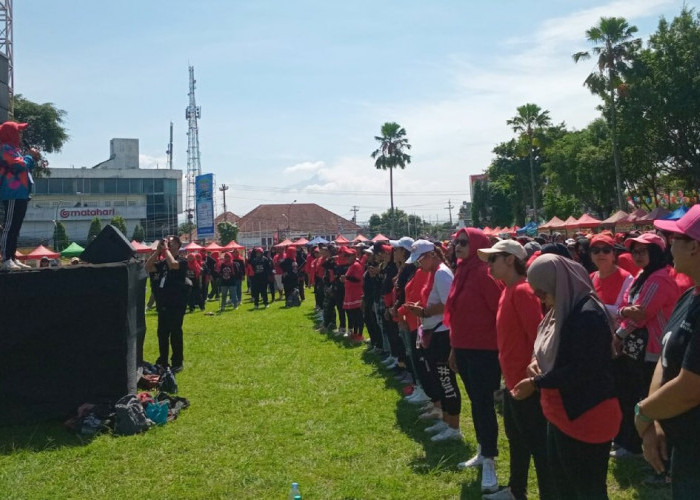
{"x":129,"y":416}
{"x":167,"y":382}
{"x":293,"y":300}
{"x":635,"y":344}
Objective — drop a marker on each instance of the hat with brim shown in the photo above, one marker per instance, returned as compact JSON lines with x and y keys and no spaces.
{"x":511,"y":247}
{"x":647,"y":239}
{"x":419,"y":248}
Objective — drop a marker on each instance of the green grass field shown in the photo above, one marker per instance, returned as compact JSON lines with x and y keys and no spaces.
{"x":272,"y":402}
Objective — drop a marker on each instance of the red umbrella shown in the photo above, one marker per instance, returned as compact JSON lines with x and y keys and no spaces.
{"x":341,"y":240}
{"x":232,"y":245}
{"x":586,"y":221}
{"x":140,"y":247}
{"x":213,"y":247}
{"x":193,"y":247}
{"x":380,"y":237}
{"x":41,"y":251}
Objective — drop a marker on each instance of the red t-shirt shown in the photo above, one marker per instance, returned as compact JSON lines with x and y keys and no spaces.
{"x":353,"y":289}
{"x":625,"y":261}
{"x":608,"y":288}
{"x":519,"y":314}
{"x":598,"y":425}
{"x":413,"y":291}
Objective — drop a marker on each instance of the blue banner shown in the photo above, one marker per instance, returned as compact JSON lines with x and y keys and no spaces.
{"x":204,"y":200}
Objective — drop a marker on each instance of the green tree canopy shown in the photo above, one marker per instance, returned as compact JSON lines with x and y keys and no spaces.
{"x":119,"y":222}
{"x":227,"y":232}
{"x":95,"y":228}
{"x":46,"y":131}
{"x":60,"y":237}
{"x":139,"y":234}
{"x":391,"y":152}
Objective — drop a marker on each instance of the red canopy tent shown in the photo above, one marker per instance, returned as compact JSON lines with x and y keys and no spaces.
{"x":554,"y":221}
{"x":487,"y":231}
{"x":657,"y":213}
{"x":41,"y":251}
{"x":564,"y":225}
{"x":301,"y":242}
{"x":619,"y":218}
{"x":19,"y":255}
{"x":140,"y":247}
{"x":193,"y":247}
{"x":640,"y":212}
{"x":341,"y":240}
{"x":359,"y":238}
{"x":284,"y":243}
{"x":586,"y":221}
{"x":213,"y":247}
{"x":232,"y":245}
{"x":380,"y":237}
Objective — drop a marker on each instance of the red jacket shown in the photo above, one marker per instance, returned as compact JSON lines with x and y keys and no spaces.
{"x":473,"y":301}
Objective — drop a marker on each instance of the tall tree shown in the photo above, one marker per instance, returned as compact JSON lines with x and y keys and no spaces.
{"x":139,"y":234}
{"x":227,"y":232}
{"x":391,"y":152}
{"x":60,"y":237}
{"x":119,"y":222}
{"x":528,"y":122}
{"x":95,"y":228}
{"x":616,"y":49}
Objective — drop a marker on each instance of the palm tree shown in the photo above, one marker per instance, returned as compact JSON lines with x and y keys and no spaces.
{"x":616,"y":48}
{"x":527,"y":122}
{"x":390,"y":153}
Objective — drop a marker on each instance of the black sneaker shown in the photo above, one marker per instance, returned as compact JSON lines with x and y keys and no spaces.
{"x":178,"y":368}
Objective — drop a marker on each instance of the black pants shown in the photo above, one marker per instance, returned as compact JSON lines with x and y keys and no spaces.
{"x":437,"y":354}
{"x":318,"y":293}
{"x":15,"y":210}
{"x":303,"y":280}
{"x":684,"y":471}
{"x":170,"y":334}
{"x":354,"y":320}
{"x":195,"y":297}
{"x":328,"y":307}
{"x":339,"y":295}
{"x":214,"y":287}
{"x":391,"y":328}
{"x":259,"y":289}
{"x":526,"y":429}
{"x":370,"y":319}
{"x":481,"y":374}
{"x":629,"y":381}
{"x":579,"y":469}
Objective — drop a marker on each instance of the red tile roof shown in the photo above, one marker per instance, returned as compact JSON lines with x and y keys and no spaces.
{"x":296,"y":218}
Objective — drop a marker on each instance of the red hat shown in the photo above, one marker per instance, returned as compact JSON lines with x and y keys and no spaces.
{"x":647,"y":239}
{"x":688,"y":225}
{"x":9,"y":133}
{"x":602,"y":239}
{"x":386,"y":248}
{"x":347,"y":251}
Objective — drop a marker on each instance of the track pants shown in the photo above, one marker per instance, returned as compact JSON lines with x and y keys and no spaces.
{"x":15,"y":210}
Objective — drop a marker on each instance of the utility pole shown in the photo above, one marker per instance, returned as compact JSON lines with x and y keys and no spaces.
{"x":449,"y":207}
{"x":223,"y":190}
{"x":354,"y":211}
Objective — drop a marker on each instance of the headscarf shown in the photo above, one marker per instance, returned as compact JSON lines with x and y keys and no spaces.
{"x":193,"y":265}
{"x":569,"y":283}
{"x":477,"y":240}
{"x":10,"y":131}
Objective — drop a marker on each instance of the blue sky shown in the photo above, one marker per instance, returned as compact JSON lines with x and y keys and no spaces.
{"x":293,"y":92}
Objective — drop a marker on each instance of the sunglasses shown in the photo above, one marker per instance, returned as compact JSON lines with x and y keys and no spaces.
{"x":596,"y":250}
{"x":639,"y":251}
{"x":492,"y":258}
{"x":462,"y":243}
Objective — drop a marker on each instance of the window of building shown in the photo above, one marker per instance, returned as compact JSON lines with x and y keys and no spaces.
{"x":91,"y":204}
{"x":108,"y":203}
{"x":110,"y":186}
{"x":123,"y":186}
{"x":119,"y":203}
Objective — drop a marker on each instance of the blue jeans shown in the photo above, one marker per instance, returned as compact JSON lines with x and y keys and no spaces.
{"x":236,"y":293}
{"x":225,"y":291}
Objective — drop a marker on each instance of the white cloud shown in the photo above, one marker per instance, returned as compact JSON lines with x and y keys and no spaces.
{"x":307,"y":166}
{"x":148,"y":161}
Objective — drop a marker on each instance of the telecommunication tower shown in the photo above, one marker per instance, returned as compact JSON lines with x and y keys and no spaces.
{"x":194,"y":167}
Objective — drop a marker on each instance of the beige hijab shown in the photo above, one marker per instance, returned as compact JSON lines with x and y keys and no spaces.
{"x":568,"y":282}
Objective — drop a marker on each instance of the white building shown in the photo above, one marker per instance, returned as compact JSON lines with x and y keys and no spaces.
{"x":117,"y":186}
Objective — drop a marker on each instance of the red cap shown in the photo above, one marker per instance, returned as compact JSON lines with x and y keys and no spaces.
{"x":688,"y":225}
{"x":646,"y":239}
{"x":602,"y":239}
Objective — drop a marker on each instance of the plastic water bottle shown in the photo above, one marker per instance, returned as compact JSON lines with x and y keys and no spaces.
{"x":294,"y":493}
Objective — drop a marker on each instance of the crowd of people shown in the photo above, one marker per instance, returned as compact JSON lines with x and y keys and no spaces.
{"x":591,"y":338}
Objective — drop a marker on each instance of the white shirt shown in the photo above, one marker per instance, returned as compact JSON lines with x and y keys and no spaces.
{"x":438,"y":295}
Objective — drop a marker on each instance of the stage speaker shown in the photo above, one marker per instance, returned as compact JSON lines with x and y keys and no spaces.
{"x":109,"y":246}
{"x":69,"y":335}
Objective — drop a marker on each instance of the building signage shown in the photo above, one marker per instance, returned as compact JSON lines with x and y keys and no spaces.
{"x":67,"y":213}
{"x":204,"y":199}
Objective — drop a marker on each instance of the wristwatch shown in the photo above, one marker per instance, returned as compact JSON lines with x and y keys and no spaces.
{"x":642,"y":416}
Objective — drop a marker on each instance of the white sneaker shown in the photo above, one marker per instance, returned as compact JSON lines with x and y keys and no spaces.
{"x":475,"y":461}
{"x":427,"y":406}
{"x":437,"y":427}
{"x":389,"y":361}
{"x":447,"y":435}
{"x":21,"y":264}
{"x":433,"y":414}
{"x":9,"y":265}
{"x":418,"y":397}
{"x":504,"y":494}
{"x":489,"y":481}
{"x":621,"y":452}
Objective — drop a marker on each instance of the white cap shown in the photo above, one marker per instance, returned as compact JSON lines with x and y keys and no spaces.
{"x":418,"y":248}
{"x":504,"y":246}
{"x":404,"y":243}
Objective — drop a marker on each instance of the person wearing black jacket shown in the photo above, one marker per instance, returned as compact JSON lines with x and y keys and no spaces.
{"x":215,"y":277}
{"x":171,"y":299}
{"x":262,"y":271}
{"x":572,"y":369}
{"x":370,"y":290}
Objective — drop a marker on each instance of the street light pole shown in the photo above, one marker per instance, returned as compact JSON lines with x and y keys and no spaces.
{"x":223,"y":190}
